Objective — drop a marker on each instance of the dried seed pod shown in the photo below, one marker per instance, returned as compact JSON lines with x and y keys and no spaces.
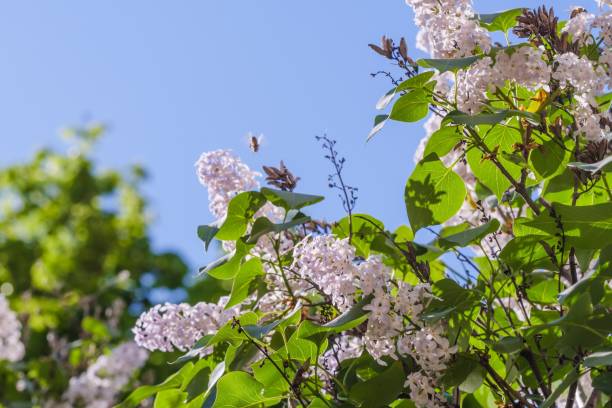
{"x":377,"y":49}
{"x":403,"y":49}
{"x":280,"y":177}
{"x":387,"y":45}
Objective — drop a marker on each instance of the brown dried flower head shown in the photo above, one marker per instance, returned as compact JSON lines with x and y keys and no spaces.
{"x":280,"y":177}
{"x":536,"y":22}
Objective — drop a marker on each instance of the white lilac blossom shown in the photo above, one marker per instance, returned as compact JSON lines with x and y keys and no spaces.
{"x":325,"y":263}
{"x":579,"y":73}
{"x":423,"y":392}
{"x":473,"y":84}
{"x":344,"y":347}
{"x":431,"y":350}
{"x":605,"y":60}
{"x":448,"y":28}
{"x":225,"y":176}
{"x":603,"y":23}
{"x":11,"y":347}
{"x":395,"y":328}
{"x":587,"y":82}
{"x":169,"y":327}
{"x":579,"y":26}
{"x":412,"y":300}
{"x":525,"y":67}
{"x":105,"y":378}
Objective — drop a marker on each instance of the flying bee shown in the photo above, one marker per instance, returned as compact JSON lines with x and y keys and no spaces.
{"x":254,"y":142}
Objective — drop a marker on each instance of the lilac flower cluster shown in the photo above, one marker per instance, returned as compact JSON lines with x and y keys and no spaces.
{"x":225,"y":175}
{"x":448,"y":28}
{"x":169,"y":327}
{"x":325,"y":263}
{"x":11,"y":347}
{"x":99,"y":385}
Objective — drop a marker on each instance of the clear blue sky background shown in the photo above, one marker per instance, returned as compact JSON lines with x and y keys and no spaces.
{"x":176,"y":78}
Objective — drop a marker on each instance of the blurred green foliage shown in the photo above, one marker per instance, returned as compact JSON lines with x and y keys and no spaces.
{"x":69,"y":234}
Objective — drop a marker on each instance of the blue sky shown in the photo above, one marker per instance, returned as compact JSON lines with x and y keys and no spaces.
{"x":174,"y":79}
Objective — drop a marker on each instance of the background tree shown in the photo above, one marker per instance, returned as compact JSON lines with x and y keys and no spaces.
{"x":76,"y":263}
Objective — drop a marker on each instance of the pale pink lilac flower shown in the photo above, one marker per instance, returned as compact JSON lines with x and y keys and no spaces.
{"x":225,"y":176}
{"x":11,"y":347}
{"x":579,"y":27}
{"x":326,"y":262}
{"x":344,"y":347}
{"x":169,"y":327}
{"x":99,"y":385}
{"x":423,"y":392}
{"x":448,"y":28}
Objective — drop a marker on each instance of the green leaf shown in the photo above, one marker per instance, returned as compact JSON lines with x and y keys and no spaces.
{"x":603,"y":101}
{"x":444,"y":65}
{"x":379,"y":123}
{"x":351,"y":318}
{"x":467,"y":237}
{"x":346,"y":321}
{"x":560,"y":189}
{"x":567,"y":381}
{"x":442,"y":141}
{"x":603,"y":383}
{"x":411,"y":107}
{"x":317,"y":403}
{"x":416,"y":82}
{"x":207,"y":233}
{"x":599,"y":359}
{"x":508,"y":345}
{"x":215,"y":264}
{"x":485,"y":118}
{"x":263,"y":226}
{"x":435,"y":314}
{"x":98,"y":330}
{"x":258,"y":332}
{"x":238,"y":389}
{"x":433,"y":193}
{"x":299,"y":349}
{"x":170,"y":399}
{"x":214,"y":378}
{"x":230,"y":333}
{"x":402,"y":403}
{"x":526,"y":253}
{"x":464,"y":372}
{"x":239,"y":212}
{"x":146,"y":391}
{"x":450,"y":294}
{"x":227,"y":267}
{"x":403,"y":234}
{"x":487,"y":172}
{"x":246,"y":274}
{"x":365,"y":229}
{"x":480,"y":398}
{"x":381,"y":389}
{"x":545,"y":292}
{"x":195,"y":351}
{"x":584,"y":284}
{"x":290,"y":200}
{"x":592,"y":167}
{"x":548,"y":160}
{"x":501,"y":21}
{"x":583,"y":227}
{"x":386,"y":99}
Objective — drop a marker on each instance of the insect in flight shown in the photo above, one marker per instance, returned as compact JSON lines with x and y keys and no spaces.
{"x":254,"y":142}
